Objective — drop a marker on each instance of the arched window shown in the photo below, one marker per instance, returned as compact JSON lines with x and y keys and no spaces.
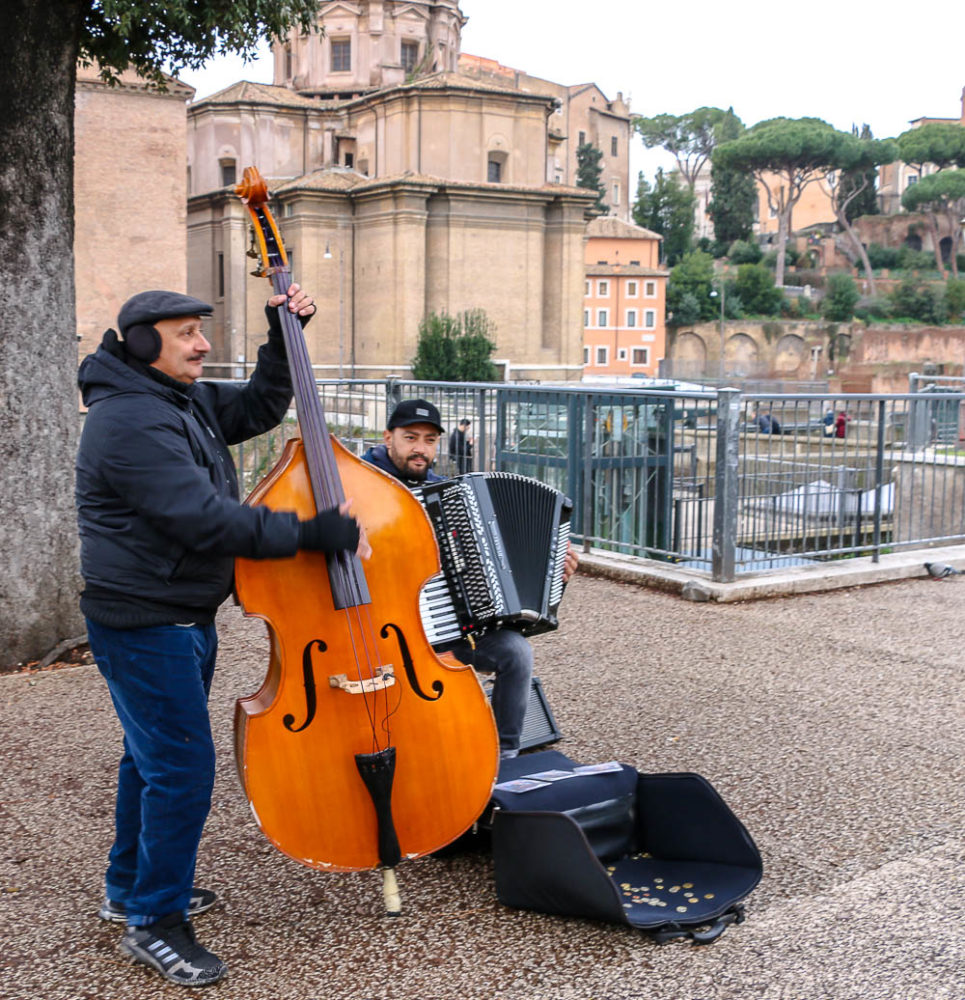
{"x":229,"y":172}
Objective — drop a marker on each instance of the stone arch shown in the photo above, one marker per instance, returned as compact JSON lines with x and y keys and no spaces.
{"x":913,"y":241}
{"x":741,"y":354}
{"x":689,"y":355}
{"x":789,"y":353}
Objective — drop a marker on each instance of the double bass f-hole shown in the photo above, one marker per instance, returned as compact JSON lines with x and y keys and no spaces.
{"x":384,"y":678}
{"x":410,"y":673}
{"x":308,"y":678}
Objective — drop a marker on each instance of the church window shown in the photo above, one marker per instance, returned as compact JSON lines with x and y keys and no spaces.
{"x":410,"y":56}
{"x":220,"y":268}
{"x":582,"y":139}
{"x":289,"y":63}
{"x":614,"y":145}
{"x":494,"y":172}
{"x":229,"y":173}
{"x":341,"y":55}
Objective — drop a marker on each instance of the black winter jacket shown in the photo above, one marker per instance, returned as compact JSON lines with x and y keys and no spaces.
{"x":157,"y":492}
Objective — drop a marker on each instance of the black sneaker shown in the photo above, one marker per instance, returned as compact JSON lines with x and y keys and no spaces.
{"x":169,"y":945}
{"x":201,"y":900}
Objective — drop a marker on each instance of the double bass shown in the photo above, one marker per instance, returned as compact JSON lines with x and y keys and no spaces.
{"x":362,"y":747}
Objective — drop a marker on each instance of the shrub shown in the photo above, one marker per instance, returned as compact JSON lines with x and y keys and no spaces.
{"x":915,"y":260}
{"x":840,"y":298}
{"x":955,"y":297}
{"x":879,"y":256}
{"x":790,"y":258}
{"x":687,"y":310}
{"x":455,"y":348}
{"x":743,"y":252}
{"x":755,"y":286}
{"x":872,"y":309}
{"x":913,"y":300}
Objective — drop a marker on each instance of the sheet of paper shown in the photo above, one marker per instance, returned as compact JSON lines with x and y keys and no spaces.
{"x":610,"y":765}
{"x":521,"y":785}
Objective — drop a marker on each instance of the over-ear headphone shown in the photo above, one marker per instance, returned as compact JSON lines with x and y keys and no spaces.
{"x":143,"y":342}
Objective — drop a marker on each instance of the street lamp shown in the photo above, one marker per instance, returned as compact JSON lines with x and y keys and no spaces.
{"x":328,"y":256}
{"x":723,"y":295}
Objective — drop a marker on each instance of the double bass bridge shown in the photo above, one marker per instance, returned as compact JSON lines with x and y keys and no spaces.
{"x":384,"y":678}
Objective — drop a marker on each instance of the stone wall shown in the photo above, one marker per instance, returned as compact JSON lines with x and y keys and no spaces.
{"x":130,"y":196}
{"x":851,"y":357}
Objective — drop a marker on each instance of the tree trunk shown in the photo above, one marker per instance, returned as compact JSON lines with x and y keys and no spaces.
{"x":783,"y":228}
{"x":932,"y":223}
{"x":843,"y":222}
{"x":38,"y":346}
{"x":953,"y":215}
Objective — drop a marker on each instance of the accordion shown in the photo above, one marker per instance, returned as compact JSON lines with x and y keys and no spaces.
{"x":502,"y":545}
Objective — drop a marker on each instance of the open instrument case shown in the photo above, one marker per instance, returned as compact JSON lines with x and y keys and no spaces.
{"x":660,"y":852}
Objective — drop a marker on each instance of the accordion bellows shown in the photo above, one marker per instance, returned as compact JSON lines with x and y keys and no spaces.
{"x":502,"y":545}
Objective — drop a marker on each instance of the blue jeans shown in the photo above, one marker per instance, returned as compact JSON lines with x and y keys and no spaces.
{"x":159,"y":679}
{"x":508,"y":655}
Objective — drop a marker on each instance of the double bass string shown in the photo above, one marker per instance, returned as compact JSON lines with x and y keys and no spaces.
{"x":326,"y":487}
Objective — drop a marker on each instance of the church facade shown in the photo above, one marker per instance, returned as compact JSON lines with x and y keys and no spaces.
{"x":405,"y":181}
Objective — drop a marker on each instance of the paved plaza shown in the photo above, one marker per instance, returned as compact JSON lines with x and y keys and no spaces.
{"x":831,"y":723}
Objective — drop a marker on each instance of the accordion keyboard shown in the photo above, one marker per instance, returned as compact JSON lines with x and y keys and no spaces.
{"x":438,"y":612}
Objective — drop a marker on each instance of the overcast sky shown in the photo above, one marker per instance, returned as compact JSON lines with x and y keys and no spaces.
{"x":846,"y":62}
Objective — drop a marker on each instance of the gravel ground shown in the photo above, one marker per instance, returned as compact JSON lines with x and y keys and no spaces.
{"x":832,"y":724}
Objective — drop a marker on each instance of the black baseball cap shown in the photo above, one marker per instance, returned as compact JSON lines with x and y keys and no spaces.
{"x":415,"y":411}
{"x":148,"y":307}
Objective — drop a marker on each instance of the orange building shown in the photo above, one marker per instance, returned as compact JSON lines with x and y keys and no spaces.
{"x":624,"y":303}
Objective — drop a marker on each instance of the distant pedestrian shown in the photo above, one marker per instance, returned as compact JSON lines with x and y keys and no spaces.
{"x":768,"y":424}
{"x":841,"y":424}
{"x":460,"y":447}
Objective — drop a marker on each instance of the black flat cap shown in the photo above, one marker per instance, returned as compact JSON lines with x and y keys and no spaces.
{"x":148,"y":307}
{"x":415,"y":411}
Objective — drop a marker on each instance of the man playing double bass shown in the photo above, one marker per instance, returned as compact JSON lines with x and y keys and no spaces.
{"x":160,"y":526}
{"x":408,"y":449}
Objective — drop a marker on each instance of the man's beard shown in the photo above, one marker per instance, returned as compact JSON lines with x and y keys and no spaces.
{"x":406,"y":469}
{"x":418,"y":475}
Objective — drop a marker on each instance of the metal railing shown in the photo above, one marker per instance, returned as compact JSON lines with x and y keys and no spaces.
{"x":722,"y":481}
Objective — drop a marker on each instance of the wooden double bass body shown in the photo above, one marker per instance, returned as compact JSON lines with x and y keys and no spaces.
{"x":354,"y":680}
